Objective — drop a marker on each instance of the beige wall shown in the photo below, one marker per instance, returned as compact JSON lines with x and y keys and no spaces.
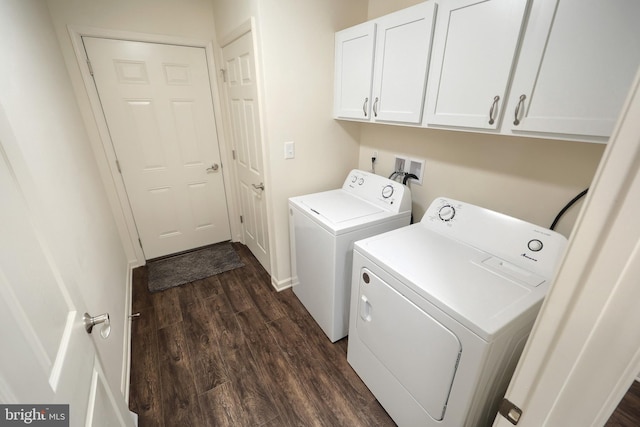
{"x":230,"y":14}
{"x":531,"y":179}
{"x":66,"y":195}
{"x":297,"y":57}
{"x":377,"y":8}
{"x":528,"y":178}
{"x":185,"y":18}
{"x":296,"y":53}
{"x":178,"y":18}
{"x":188,"y":19}
{"x":296,"y":50}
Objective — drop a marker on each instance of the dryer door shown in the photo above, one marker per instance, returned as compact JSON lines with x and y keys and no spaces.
{"x":417,"y":350}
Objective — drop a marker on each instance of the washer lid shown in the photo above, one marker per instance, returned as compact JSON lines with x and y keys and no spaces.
{"x":338,"y":206}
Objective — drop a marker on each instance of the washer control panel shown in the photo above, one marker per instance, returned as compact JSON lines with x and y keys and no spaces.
{"x":381,"y":191}
{"x":447,"y":212}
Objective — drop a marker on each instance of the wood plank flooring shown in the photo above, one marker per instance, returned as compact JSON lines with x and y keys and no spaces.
{"x":230,"y":351}
{"x":627,"y":414}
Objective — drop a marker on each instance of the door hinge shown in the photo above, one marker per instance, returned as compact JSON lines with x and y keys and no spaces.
{"x":224,"y":74}
{"x":118,"y":166}
{"x":233,"y":154}
{"x":510,"y":411}
{"x":241,"y":220}
{"x":140,"y":242}
{"x":90,"y":67}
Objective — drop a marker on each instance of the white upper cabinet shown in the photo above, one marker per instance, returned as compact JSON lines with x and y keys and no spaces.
{"x":403,"y":41}
{"x":474,"y":46}
{"x":387,"y":86}
{"x":577,"y":63}
{"x":354,"y":71}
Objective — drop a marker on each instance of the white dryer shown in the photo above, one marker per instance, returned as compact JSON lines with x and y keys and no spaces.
{"x":322,"y":229}
{"x":441,"y":310}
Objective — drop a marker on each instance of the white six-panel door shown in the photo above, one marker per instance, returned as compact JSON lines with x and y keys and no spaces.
{"x":242,"y":98}
{"x":157,"y":102}
{"x":46,"y":357}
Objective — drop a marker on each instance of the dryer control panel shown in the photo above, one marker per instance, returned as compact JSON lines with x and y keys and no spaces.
{"x":388,"y":194}
{"x":520,"y":247}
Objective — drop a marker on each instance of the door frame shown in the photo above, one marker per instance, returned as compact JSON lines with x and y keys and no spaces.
{"x":249,"y":26}
{"x":585,"y":333}
{"x":104,"y":150}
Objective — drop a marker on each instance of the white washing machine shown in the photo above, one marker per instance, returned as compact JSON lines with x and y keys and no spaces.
{"x":322,"y":229}
{"x":441,"y":310}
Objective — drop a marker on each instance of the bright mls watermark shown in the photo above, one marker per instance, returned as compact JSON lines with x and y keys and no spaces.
{"x":34,"y":415}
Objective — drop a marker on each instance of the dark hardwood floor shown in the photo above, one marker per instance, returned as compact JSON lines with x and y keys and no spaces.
{"x":230,"y":351}
{"x":627,"y":414}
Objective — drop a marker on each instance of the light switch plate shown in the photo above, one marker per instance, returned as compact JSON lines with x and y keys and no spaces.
{"x":289,"y":150}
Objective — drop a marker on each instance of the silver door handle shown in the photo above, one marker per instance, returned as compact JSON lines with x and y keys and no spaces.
{"x":259,"y":186}
{"x":90,"y":322}
{"x":214,"y":167}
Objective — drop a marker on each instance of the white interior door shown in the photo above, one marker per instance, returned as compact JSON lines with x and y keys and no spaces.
{"x":242,"y":97}
{"x":584,"y":350}
{"x":47,"y":357}
{"x":157,"y":103}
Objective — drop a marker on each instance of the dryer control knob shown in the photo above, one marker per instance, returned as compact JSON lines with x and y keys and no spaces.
{"x":535,"y":245}
{"x":447,"y":212}
{"x":387,"y":191}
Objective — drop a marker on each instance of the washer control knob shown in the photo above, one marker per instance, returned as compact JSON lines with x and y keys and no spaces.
{"x":361,"y":181}
{"x":447,"y":212}
{"x":354,"y":178}
{"x":535,"y":245}
{"x":387,"y":191}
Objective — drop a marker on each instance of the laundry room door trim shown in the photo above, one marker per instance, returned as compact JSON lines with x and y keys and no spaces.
{"x":101,"y":141}
{"x":249,"y":27}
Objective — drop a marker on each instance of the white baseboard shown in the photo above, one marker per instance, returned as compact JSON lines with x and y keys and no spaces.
{"x":126,"y":354}
{"x":280,"y":285}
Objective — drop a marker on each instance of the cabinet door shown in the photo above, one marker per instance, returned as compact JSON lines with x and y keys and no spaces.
{"x":578,"y":60}
{"x":403,"y":43}
{"x":475,"y":43}
{"x":354,"y":71}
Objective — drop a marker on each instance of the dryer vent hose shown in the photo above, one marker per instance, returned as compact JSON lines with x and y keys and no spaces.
{"x":407,"y":177}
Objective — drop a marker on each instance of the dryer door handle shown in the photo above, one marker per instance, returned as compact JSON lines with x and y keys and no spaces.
{"x":365,"y":309}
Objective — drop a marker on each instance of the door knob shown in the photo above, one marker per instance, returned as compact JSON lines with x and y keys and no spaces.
{"x":90,"y":322}
{"x":259,"y":186}
{"x":214,"y":167}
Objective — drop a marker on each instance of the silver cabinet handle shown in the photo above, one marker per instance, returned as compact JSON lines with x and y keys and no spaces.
{"x":214,"y":167}
{"x":90,"y":322}
{"x":375,"y":107}
{"x":493,"y":109}
{"x":520,"y":103}
{"x":364,"y":106}
{"x":259,"y":186}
